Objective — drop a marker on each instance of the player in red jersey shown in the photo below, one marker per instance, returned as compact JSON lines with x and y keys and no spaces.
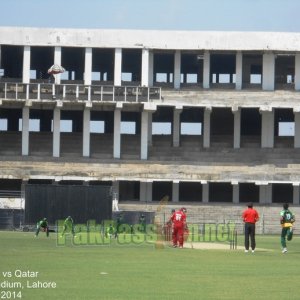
{"x":250,"y":217}
{"x":179,"y":224}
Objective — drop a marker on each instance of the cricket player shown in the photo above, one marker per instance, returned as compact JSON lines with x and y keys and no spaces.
{"x":250,"y":217}
{"x":178,"y":219}
{"x":142,"y":223}
{"x":287,"y":219}
{"x":110,"y":231}
{"x":42,"y":224}
{"x":68,"y":226}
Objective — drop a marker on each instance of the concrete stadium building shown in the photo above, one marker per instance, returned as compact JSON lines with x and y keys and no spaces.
{"x":210,"y":119}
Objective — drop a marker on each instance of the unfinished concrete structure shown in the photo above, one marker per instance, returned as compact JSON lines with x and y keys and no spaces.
{"x":203,"y":117}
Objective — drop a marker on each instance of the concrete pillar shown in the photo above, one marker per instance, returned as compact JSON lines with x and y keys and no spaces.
{"x":118,"y":67}
{"x":145,"y":67}
{"x":25,"y":130}
{"x":57,"y":61}
{"x":22,"y":199}
{"x":143,"y":191}
{"x":175,"y":191}
{"x":146,"y":129}
{"x":88,"y":66}
{"x":176,"y":126}
{"x":297,"y":71}
{"x":268,"y":80}
{"x":265,"y":193}
{"x":296,"y":194}
{"x":297,"y":129}
{"x":151,"y":68}
{"x":116,"y":189}
{"x":150,"y":128}
{"x":146,"y":191}
{"x":269,"y":193}
{"x":177,"y":71}
{"x":206,"y":127}
{"x":237,"y":128}
{"x":86,"y":132}
{"x":205,"y":192}
{"x":235,"y":192}
{"x":117,"y":133}
{"x":262,"y":194}
{"x":267,"y":128}
{"x":144,"y":135}
{"x":149,"y":191}
{"x":206,"y":70}
{"x":56,"y":132}
{"x":26,"y":64}
{"x":239,"y":70}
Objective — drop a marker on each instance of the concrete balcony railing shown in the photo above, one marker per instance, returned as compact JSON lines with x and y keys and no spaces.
{"x":75,"y":92}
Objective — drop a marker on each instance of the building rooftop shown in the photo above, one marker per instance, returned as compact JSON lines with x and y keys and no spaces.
{"x":152,"y":39}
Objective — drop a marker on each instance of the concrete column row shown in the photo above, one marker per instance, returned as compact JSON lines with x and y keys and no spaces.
{"x":265,"y":192}
{"x":268,"y":73}
{"x":145,"y":132}
{"x":267,"y":134}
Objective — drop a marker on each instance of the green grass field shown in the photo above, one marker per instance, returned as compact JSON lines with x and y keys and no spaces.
{"x":131,"y":271}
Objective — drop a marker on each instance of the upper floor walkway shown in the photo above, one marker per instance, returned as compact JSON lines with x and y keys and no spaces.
{"x":160,"y":95}
{"x":177,"y":59}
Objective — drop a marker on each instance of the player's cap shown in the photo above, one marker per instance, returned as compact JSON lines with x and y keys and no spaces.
{"x":69,"y":217}
{"x":45,"y":219}
{"x":250,"y":204}
{"x":183,"y":209}
{"x":173,"y":210}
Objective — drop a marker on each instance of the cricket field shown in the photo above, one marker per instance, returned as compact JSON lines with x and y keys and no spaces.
{"x":39,"y":268}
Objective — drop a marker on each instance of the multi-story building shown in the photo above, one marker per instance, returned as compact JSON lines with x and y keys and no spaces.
{"x":203,"y":117}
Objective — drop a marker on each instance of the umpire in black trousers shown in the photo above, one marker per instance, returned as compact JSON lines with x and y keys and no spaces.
{"x":250,"y":217}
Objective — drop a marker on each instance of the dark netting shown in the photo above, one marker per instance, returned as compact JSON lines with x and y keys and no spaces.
{"x":56,"y":202}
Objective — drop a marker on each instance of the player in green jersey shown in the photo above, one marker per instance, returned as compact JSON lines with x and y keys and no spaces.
{"x":287,"y":219}
{"x":68,"y":226}
{"x":142,"y":223}
{"x":43,"y":224}
{"x":110,"y":231}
